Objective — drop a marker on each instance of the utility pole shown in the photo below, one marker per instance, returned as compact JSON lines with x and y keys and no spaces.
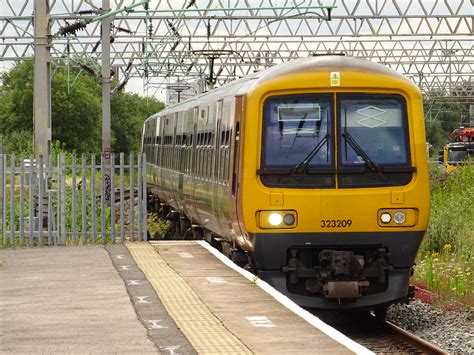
{"x":42,"y":80}
{"x":106,"y":134}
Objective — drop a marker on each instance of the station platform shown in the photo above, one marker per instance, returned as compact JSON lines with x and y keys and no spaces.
{"x":169,"y":297}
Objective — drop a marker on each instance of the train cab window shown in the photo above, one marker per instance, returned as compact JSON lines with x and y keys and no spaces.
{"x":298,"y":148}
{"x":373,"y":140}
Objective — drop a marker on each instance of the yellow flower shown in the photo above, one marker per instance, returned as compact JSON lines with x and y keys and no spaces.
{"x":434,"y":254}
{"x":447,"y":248}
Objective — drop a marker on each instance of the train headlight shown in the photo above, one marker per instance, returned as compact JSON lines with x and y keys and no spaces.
{"x":399,"y":217}
{"x":277,"y":219}
{"x":289,"y":219}
{"x":385,"y":218}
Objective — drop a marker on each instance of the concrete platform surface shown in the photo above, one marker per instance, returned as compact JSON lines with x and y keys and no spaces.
{"x":68,"y":300}
{"x":252,"y":315}
{"x":168,"y":298}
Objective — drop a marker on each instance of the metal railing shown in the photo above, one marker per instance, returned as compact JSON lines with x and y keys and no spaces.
{"x":61,"y":200}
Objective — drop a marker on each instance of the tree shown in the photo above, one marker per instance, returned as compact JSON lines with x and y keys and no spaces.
{"x":129,"y":111}
{"x":76,"y":114}
{"x":443,"y":114}
{"x":16,"y":104}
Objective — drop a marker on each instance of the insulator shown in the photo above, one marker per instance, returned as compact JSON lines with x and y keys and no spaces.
{"x":86,"y":12}
{"x":174,"y":46}
{"x":150,"y":30}
{"x":175,"y":31}
{"x":87,"y":69}
{"x":191,"y":3}
{"x":129,"y":65}
{"x":96,"y":46}
{"x":122,"y":85}
{"x":121,"y":29}
{"x":72,"y":28}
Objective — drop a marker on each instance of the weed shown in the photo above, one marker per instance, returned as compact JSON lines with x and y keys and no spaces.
{"x":444,"y":260}
{"x":157,"y":227}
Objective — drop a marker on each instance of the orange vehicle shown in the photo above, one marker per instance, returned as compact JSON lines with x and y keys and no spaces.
{"x":461,"y":150}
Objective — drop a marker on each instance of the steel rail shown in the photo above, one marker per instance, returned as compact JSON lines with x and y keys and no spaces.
{"x":411,"y":338}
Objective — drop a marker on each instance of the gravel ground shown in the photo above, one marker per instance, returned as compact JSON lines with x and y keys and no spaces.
{"x":451,"y":330}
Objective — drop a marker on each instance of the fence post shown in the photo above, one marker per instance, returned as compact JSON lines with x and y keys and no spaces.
{"x":22,"y":200}
{"x":132,"y":197}
{"x":40,"y":200}
{"x":144,"y":199}
{"x":139,"y":197}
{"x":2,"y":197}
{"x":122,"y":204}
{"x":12,"y":200}
{"x":62,"y":199}
{"x":93,"y":202}
{"x":112,"y":199}
{"x":31,"y":186}
{"x":84,"y":198}
{"x":103,"y":190}
{"x":74,"y":200}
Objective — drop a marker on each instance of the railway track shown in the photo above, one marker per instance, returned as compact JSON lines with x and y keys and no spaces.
{"x":381,"y":337}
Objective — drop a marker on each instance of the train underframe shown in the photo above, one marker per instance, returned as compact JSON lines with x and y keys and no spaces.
{"x":339,"y":270}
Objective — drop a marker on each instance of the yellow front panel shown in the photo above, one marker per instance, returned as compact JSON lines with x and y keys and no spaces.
{"x":334,"y":209}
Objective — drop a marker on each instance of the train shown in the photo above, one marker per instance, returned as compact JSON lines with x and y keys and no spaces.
{"x":312,"y":174}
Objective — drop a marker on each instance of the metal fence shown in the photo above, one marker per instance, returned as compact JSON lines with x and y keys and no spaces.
{"x":62,"y":200}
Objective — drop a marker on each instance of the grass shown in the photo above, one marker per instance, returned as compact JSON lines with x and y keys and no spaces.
{"x":444,"y":263}
{"x":5,"y":241}
{"x":156,"y":226}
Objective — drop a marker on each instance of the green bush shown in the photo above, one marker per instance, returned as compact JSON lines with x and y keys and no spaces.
{"x":452,"y":211}
{"x":445,"y":257}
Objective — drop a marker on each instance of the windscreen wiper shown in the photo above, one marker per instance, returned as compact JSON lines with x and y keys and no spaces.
{"x":300,"y":167}
{"x":371,"y":165}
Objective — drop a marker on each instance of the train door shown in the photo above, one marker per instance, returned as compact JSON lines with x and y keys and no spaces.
{"x":235,"y":171}
{"x":194,"y":161}
{"x":216,"y":191}
{"x":181,"y":159}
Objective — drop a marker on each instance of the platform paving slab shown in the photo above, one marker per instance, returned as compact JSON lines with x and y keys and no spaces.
{"x":252,"y":316}
{"x":203,"y":329}
{"x":73,"y":300}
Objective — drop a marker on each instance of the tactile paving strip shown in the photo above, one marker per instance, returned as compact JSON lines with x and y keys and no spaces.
{"x":202,"y":328}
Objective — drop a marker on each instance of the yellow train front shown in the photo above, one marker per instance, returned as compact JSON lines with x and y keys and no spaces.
{"x":316,"y":168}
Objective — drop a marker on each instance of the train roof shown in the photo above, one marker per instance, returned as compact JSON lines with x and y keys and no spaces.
{"x":319,"y":63}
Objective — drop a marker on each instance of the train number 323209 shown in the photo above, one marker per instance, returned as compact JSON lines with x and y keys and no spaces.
{"x":335,"y":223}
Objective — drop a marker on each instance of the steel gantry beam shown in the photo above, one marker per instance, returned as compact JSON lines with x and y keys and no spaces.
{"x":428,"y":41}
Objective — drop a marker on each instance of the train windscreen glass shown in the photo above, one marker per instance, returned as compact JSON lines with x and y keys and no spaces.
{"x":377,"y":123}
{"x":456,"y":156}
{"x":294,"y":125}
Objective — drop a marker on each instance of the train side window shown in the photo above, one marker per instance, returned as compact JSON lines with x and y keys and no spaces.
{"x":199,"y":155}
{"x":209,"y":154}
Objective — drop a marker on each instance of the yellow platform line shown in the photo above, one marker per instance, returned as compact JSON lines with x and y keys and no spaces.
{"x":203,"y":329}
